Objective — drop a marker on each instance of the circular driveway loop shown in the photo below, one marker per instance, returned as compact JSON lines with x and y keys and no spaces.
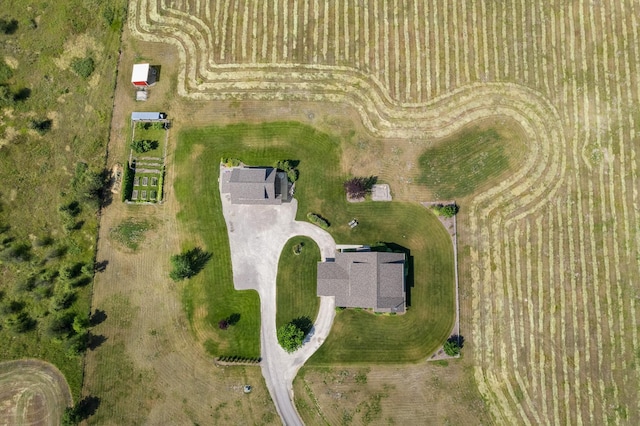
{"x":257,"y":234}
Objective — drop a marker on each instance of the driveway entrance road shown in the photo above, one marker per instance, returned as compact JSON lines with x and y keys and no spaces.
{"x":257,"y":235}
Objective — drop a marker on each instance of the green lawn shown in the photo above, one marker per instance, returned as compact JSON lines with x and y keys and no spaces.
{"x":296,"y":291}
{"x":462,"y":164}
{"x":152,"y":132}
{"x":357,"y":336}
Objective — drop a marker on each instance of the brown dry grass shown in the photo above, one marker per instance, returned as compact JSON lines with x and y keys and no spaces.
{"x":151,"y":366}
{"x":438,"y":393}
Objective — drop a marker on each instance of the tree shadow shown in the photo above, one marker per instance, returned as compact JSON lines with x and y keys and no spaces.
{"x":95,"y":340}
{"x":198,"y":259}
{"x":303,"y":323}
{"x":101,"y":266}
{"x":233,"y":319}
{"x":408,"y":265}
{"x":459,"y":340}
{"x":22,"y":94}
{"x":155,"y":71}
{"x":98,"y":317}
{"x":87,"y":407}
{"x":8,"y":27}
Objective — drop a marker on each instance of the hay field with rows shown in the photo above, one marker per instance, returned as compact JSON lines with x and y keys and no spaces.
{"x":549,"y":254}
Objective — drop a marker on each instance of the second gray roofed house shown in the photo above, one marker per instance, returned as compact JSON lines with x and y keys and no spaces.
{"x":365,"y":280}
{"x":260,"y":185}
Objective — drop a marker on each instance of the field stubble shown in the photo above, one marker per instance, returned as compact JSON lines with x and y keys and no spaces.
{"x":549,"y":254}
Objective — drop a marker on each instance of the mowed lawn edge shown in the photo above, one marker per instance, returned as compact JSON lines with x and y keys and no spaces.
{"x":357,"y":335}
{"x":296,"y":294}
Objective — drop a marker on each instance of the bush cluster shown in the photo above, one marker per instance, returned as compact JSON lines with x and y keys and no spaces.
{"x":449,"y":210}
{"x":127,"y":182}
{"x":84,"y":67}
{"x":239,"y":359}
{"x":230,"y":162}
{"x":289,"y":167}
{"x":318,"y":220}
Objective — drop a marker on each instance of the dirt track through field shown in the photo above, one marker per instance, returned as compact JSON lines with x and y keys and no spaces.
{"x":553,"y":249}
{"x":32,"y":392}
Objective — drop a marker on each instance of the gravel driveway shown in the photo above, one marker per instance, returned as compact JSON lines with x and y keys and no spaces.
{"x":257,"y":234}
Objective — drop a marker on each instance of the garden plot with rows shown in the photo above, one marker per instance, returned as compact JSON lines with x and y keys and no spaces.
{"x":144,"y":175}
{"x":551,"y":251}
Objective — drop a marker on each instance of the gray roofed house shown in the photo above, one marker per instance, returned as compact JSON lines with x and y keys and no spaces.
{"x":365,"y":279}
{"x":259,"y":185}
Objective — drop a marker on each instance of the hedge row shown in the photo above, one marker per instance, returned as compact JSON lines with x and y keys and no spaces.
{"x":239,"y":359}
{"x":318,"y":220}
{"x":127,"y":183}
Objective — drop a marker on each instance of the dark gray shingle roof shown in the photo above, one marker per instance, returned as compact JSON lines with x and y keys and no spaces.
{"x":365,"y":280}
{"x":254,"y":186}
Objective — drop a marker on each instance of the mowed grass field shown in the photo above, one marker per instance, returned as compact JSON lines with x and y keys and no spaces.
{"x":549,"y":252}
{"x":357,"y":336}
{"x":296,"y":294}
{"x":54,"y":128}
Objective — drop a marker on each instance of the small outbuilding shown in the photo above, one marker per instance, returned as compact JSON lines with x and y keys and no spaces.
{"x":148,"y":116}
{"x":143,"y":75}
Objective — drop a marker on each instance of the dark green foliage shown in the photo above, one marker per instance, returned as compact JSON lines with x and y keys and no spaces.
{"x":19,"y":322}
{"x":289,"y":167}
{"x":8,"y":27}
{"x":449,"y":210}
{"x":63,"y":299}
{"x":40,"y":126}
{"x":188,"y":263}
{"x":127,"y":182}
{"x":6,"y":97}
{"x":142,"y":146}
{"x":318,"y":220}
{"x":81,"y":411}
{"x":453,"y":345}
{"x":358,"y":187}
{"x":84,"y":67}
{"x":87,"y":183}
{"x":290,"y":337}
{"x":60,"y":324}
{"x":16,"y":252}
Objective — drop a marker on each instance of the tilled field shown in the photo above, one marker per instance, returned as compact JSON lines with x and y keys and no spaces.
{"x":552,"y":265}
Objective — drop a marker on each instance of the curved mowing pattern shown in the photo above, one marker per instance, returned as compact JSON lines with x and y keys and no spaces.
{"x":32,"y":392}
{"x":554,"y":248}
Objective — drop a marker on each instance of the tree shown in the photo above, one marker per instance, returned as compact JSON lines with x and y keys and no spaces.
{"x":358,"y":187}
{"x":290,"y":337}
{"x":448,"y":210}
{"x":142,"y":146}
{"x":453,"y":345}
{"x":188,"y":263}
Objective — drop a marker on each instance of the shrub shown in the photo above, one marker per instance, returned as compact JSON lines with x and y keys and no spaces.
{"x":8,"y":27}
{"x":127,"y":182}
{"x":448,"y":210}
{"x":453,"y":345}
{"x":84,"y":67}
{"x":143,"y":146}
{"x":318,"y":220}
{"x":230,"y":162}
{"x":160,"y":182}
